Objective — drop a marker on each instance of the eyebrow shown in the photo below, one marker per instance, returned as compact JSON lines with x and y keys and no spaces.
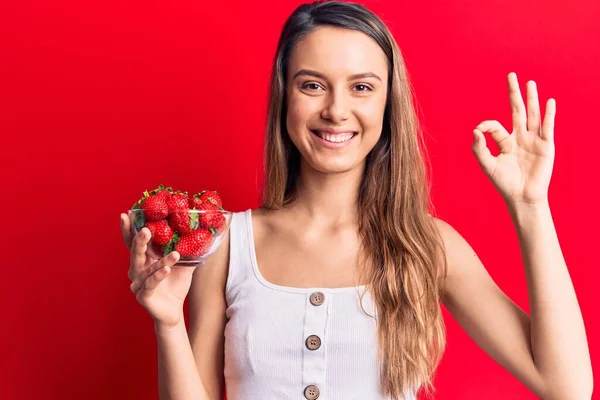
{"x":310,"y":72}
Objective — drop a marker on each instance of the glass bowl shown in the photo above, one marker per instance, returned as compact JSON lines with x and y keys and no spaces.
{"x":194,"y":234}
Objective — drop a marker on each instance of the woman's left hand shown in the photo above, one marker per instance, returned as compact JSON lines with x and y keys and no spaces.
{"x":522,"y":170}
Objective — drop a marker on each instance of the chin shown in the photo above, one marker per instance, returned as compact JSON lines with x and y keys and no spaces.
{"x":332,"y":166}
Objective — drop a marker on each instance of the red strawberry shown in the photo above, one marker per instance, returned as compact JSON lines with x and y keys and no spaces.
{"x":211,"y":196}
{"x":195,"y":201}
{"x":156,"y":250}
{"x":161,"y":232}
{"x":154,"y":204}
{"x":205,"y":196}
{"x":155,"y":207}
{"x":183,"y":221}
{"x":212,"y":218}
{"x":178,"y":202}
{"x":194,"y":244}
{"x":162,"y":192}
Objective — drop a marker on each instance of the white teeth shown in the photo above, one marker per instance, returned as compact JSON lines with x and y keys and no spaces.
{"x":343,"y":137}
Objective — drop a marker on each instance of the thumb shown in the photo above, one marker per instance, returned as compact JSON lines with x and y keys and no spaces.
{"x":482,"y":153}
{"x":126,"y":230}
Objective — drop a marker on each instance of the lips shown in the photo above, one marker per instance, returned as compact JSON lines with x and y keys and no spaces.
{"x":334,"y":136}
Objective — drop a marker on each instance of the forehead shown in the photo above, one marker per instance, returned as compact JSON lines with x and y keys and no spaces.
{"x":335,"y":50}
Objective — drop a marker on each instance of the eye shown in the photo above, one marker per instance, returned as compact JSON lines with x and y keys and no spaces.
{"x":363,"y":88}
{"x":311,"y":86}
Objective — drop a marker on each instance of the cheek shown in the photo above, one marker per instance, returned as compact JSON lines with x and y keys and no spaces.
{"x":295,"y":113}
{"x":299,"y":113}
{"x":294,"y":120}
{"x":370,"y":115}
{"x":300,"y":109}
{"x":294,"y":116}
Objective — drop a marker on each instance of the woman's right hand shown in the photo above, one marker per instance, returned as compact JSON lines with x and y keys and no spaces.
{"x":158,"y":287}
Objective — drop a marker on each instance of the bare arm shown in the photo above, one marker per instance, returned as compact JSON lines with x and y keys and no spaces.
{"x":547,"y":351}
{"x":558,"y":338}
{"x":178,"y":377}
{"x":191,"y":362}
{"x":161,"y":289}
{"x":207,"y":317}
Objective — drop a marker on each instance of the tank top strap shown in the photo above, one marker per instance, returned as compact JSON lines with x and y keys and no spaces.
{"x":240,"y":253}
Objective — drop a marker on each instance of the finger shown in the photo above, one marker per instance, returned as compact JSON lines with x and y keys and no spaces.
{"x":549,"y":116}
{"x":517,"y":106}
{"x":138,"y":250}
{"x":126,"y":230}
{"x":153,"y":281}
{"x":168,"y":260}
{"x":482,"y":153}
{"x":498,"y":134}
{"x":533,"y":109}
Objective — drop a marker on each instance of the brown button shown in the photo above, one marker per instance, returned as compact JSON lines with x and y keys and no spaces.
{"x":313,"y":342}
{"x":317,"y":298}
{"x":311,"y":392}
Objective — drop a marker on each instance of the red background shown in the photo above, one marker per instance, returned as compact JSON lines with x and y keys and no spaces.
{"x":101,"y":100}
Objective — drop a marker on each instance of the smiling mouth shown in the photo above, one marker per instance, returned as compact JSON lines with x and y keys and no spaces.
{"x":335,"y":138}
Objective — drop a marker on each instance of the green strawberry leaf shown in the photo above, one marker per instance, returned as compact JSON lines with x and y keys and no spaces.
{"x":212,"y":231}
{"x":194,"y":221}
{"x":139,"y":203}
{"x":171,"y":245}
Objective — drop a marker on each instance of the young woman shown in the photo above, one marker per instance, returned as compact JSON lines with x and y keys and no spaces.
{"x":332,"y":288}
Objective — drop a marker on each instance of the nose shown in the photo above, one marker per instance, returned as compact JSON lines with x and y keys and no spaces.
{"x":336,"y":108}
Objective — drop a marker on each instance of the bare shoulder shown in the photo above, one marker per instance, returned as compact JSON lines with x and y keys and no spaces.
{"x":260,"y":215}
{"x":265,"y":222}
{"x":447,"y":232}
{"x":459,"y":253}
{"x":263,"y":215}
{"x":466,"y":276}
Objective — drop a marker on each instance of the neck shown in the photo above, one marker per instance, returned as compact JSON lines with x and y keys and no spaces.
{"x":328,"y":198}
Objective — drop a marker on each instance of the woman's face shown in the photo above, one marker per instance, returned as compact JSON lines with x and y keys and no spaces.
{"x":336,"y":95}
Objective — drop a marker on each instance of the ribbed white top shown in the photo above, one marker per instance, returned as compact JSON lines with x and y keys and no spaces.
{"x":268,"y":352}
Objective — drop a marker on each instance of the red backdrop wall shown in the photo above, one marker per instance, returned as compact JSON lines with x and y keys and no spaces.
{"x":101,"y":100}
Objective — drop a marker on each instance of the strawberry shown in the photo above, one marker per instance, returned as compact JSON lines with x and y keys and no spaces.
{"x":161,"y":231}
{"x":155,"y":208}
{"x":154,"y":205}
{"x":156,"y":250}
{"x":194,"y":244}
{"x":212,"y":218}
{"x":163,"y":192}
{"x":196,"y":201}
{"x":183,"y":221}
{"x":204,"y":196}
{"x":178,"y":201}
{"x":211,"y":196}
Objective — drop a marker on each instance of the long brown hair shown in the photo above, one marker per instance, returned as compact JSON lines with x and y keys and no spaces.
{"x":403,"y":252}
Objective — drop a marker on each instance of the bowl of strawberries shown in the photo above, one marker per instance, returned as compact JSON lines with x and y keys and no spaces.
{"x":194,"y":226}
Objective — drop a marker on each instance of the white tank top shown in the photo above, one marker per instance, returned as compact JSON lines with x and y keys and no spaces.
{"x":294,"y":343}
